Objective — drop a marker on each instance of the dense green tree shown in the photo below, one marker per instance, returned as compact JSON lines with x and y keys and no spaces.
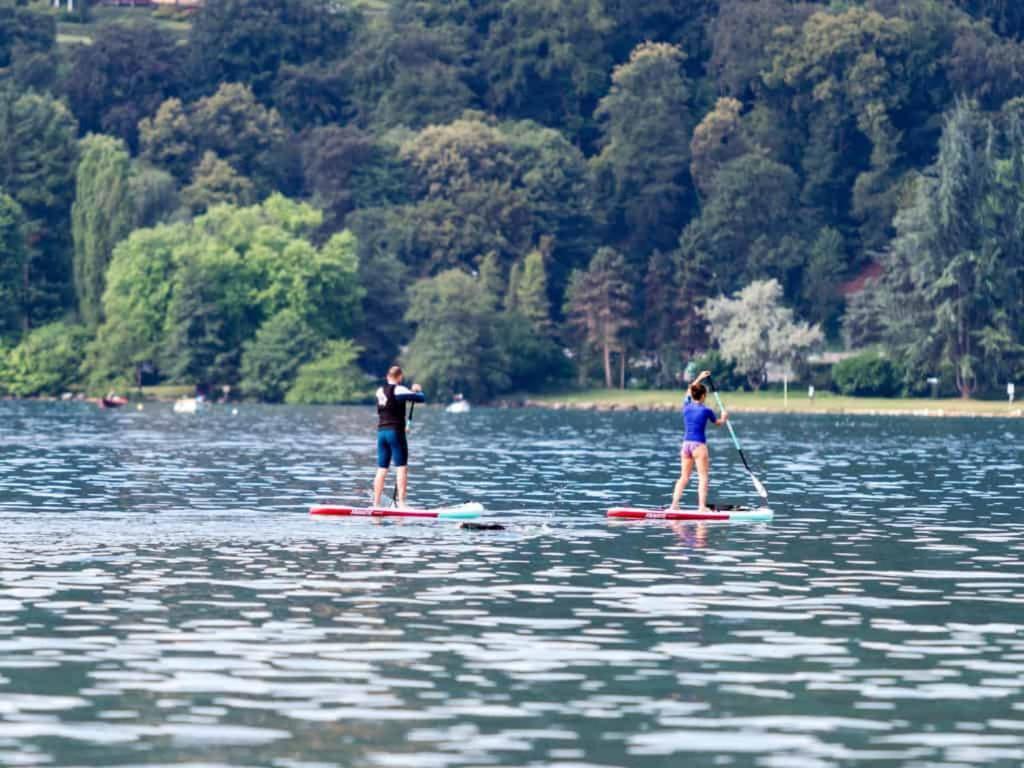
{"x":214,"y":181}
{"x":103,"y":214}
{"x":250,"y":41}
{"x":46,"y":362}
{"x":345,"y":168}
{"x":271,"y":360}
{"x":232,"y":124}
{"x":659,"y":329}
{"x":38,"y":152}
{"x":531,"y":289}
{"x":547,"y":61}
{"x":741,"y":35}
{"x":681,"y":22}
{"x":188,"y":297}
{"x":492,"y":188}
{"x":28,"y":44}
{"x":750,"y":228}
{"x":13,"y":259}
{"x":332,"y":378}
{"x":406,"y":73}
{"x":718,"y":139}
{"x":599,"y":303}
{"x":123,"y":76}
{"x":826,"y":266}
{"x":457,"y":346}
{"x":385,"y":280}
{"x":643,"y":169}
{"x":952,"y":292}
{"x":1007,"y":16}
{"x":135,"y":304}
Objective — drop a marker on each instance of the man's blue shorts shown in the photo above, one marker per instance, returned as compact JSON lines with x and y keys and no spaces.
{"x":392,"y":446}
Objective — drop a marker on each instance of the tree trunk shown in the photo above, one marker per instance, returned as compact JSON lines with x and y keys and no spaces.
{"x":607,"y":365}
{"x":622,"y":368}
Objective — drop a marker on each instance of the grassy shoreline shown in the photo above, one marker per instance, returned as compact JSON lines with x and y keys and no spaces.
{"x":774,"y":402}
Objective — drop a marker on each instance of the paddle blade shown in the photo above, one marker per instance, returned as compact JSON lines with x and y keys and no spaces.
{"x":759,"y":487}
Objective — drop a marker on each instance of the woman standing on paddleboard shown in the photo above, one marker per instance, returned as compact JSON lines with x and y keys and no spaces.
{"x":391,"y":441}
{"x":694,"y":450}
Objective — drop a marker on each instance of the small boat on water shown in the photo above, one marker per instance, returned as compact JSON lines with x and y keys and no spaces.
{"x":189,"y":405}
{"x":113,"y":401}
{"x":459,"y":405}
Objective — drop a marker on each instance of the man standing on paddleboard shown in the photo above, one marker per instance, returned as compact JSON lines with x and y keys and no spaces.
{"x":391,"y":442}
{"x":694,"y":449}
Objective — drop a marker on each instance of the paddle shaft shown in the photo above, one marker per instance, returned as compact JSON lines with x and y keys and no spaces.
{"x":758,"y":485}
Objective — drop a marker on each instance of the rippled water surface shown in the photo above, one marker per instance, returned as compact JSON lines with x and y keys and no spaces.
{"x":165,"y":599}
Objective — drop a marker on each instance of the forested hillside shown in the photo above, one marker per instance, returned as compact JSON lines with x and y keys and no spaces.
{"x":289,"y":194}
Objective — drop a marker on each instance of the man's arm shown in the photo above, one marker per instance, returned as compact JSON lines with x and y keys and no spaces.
{"x":405,"y":395}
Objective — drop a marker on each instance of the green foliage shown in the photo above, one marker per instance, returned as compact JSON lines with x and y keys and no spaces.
{"x":490,"y":188}
{"x":188,"y":297}
{"x":38,"y":152}
{"x":643,"y":168}
{"x":531,"y":293}
{"x":28,"y":40}
{"x":406,"y":73}
{"x":950,"y":300}
{"x":826,"y":266}
{"x":560,"y":86}
{"x":253,"y":41}
{"x":867,"y":375}
{"x":46,"y":362}
{"x":271,"y":360}
{"x":122,"y":76}
{"x":231,"y":124}
{"x":723,"y":370}
{"x":13,"y":255}
{"x":457,"y":347}
{"x":599,"y":307}
{"x":213,"y":182}
{"x":103,"y":214}
{"x":332,"y":378}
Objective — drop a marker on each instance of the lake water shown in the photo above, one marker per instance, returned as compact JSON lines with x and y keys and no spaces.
{"x":165,"y":599}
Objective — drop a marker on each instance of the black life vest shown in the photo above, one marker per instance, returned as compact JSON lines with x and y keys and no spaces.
{"x":390,"y":410}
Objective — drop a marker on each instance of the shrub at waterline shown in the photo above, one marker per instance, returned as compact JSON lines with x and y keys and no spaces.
{"x":867,"y":375}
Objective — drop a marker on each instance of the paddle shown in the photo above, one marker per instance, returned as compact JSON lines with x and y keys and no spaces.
{"x":758,"y":485}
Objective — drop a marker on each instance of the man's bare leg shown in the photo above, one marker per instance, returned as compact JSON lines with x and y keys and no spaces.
{"x":403,"y":484}
{"x":378,"y":485}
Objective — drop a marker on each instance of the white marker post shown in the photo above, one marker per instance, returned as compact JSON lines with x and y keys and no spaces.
{"x":1011,"y":391}
{"x":810,"y":393}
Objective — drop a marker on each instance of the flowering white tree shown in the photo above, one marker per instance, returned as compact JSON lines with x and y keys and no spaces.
{"x":753,"y":329}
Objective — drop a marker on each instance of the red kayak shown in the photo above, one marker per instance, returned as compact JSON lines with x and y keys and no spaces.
{"x":717,"y":514}
{"x":459,"y":512}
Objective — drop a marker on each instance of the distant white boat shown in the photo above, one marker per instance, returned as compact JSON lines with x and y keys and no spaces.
{"x":189,"y":405}
{"x":459,"y":406}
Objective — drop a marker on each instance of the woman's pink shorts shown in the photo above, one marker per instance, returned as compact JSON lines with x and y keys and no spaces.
{"x":689,"y":446}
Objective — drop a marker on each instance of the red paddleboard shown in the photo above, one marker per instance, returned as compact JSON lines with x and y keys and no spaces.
{"x":735,"y":514}
{"x":460,"y":512}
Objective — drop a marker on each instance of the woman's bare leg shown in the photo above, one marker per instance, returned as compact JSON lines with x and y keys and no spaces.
{"x":685,"y":468}
{"x":703,"y":461}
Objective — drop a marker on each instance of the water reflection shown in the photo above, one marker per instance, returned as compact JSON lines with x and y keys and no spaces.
{"x":165,"y":599}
